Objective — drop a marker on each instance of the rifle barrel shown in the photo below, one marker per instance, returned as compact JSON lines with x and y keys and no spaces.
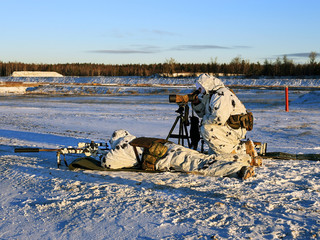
{"x":19,"y":150}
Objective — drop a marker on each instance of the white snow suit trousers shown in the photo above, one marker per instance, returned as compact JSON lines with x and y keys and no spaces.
{"x":223,"y":139}
{"x":183,"y":159}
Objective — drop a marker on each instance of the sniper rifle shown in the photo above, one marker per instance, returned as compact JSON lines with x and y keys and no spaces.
{"x":88,"y":149}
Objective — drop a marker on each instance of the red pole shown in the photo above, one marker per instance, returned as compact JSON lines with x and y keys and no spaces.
{"x":287,"y":99}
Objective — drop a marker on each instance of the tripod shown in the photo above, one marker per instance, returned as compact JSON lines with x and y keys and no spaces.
{"x":182,"y":118}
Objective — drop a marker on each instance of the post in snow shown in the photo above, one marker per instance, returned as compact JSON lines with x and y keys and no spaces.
{"x":287,"y":98}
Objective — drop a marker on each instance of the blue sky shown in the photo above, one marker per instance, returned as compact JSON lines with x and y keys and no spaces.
{"x":151,"y":31}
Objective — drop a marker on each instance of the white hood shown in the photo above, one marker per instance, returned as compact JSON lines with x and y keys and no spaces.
{"x":121,"y":154}
{"x":208,"y":83}
{"x":117,"y":136}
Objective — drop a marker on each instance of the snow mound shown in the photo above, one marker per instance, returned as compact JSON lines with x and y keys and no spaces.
{"x":156,"y":80}
{"x":35,"y":74}
{"x":134,"y":85}
{"x":12,"y":90}
{"x":309,"y":98}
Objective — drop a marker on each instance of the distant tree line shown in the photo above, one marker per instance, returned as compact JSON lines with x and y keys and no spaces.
{"x":237,"y":66}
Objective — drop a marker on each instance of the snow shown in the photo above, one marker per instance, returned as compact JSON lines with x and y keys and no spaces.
{"x":35,"y":74}
{"x":146,"y":85}
{"x":40,"y":201}
{"x":12,"y":90}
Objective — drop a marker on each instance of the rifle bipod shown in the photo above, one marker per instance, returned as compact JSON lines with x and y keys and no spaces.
{"x":59,"y":159}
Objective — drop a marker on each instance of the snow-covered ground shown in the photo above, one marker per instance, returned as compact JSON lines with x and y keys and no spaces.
{"x":139,"y":85}
{"x":40,"y":201}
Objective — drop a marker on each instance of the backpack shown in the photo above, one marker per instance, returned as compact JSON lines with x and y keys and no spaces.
{"x":241,"y":120}
{"x":246,"y":121}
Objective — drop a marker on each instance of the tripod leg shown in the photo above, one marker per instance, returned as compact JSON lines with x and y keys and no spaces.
{"x":187,"y":136}
{"x":181,"y":133}
{"x":202,"y":143}
{"x":172,"y":128}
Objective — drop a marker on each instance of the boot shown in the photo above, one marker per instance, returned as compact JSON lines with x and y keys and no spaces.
{"x":250,"y":150}
{"x":256,"y":161}
{"x":246,"y":172}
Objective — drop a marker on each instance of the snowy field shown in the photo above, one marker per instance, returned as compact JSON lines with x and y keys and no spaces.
{"x":40,"y":201}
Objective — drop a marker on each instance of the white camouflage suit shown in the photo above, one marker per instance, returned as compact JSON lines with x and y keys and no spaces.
{"x":177,"y":158}
{"x":217,"y":104}
{"x":227,"y":156}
